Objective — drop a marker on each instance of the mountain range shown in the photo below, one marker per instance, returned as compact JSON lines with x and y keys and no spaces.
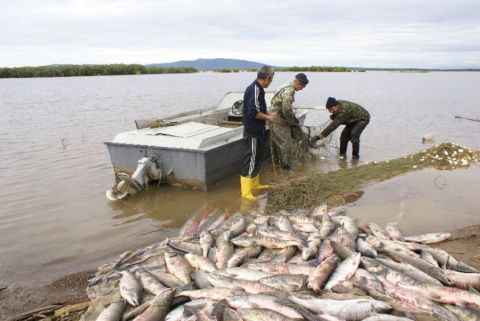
{"x":211,"y":64}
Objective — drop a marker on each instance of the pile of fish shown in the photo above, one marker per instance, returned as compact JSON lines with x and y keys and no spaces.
{"x":448,"y":156}
{"x":321,"y":265}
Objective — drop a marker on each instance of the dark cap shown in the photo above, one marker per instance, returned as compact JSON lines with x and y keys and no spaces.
{"x":331,"y":102}
{"x":301,"y":77}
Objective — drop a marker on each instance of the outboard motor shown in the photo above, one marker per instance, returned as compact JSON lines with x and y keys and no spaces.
{"x":146,"y":170}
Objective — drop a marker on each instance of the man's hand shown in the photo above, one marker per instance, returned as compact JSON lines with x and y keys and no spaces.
{"x":313,"y":141}
{"x":272,"y":117}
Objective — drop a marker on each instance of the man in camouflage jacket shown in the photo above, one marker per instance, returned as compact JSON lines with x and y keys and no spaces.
{"x":286,"y":132}
{"x":354,"y":117}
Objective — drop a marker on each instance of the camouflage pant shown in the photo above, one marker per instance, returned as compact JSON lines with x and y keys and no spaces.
{"x":289,"y":143}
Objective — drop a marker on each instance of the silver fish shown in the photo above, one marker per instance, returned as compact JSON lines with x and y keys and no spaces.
{"x":393,"y":231}
{"x":158,"y":308}
{"x":200,"y":262}
{"x":206,"y":241}
{"x":287,"y":282}
{"x":428,"y":238}
{"x":150,"y":282}
{"x":130,"y":288}
{"x":178,"y":266}
{"x":319,"y":211}
{"x":344,"y":270}
{"x":248,"y":252}
{"x":113,"y":312}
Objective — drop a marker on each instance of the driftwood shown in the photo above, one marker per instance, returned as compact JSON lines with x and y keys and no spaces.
{"x":467,"y":118}
{"x":51,"y":312}
{"x":72,"y":308}
{"x":37,"y":313}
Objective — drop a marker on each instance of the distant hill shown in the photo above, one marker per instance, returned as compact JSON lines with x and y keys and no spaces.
{"x":212,"y":64}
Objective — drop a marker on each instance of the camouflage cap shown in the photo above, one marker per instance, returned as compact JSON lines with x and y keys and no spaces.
{"x":301,"y":77}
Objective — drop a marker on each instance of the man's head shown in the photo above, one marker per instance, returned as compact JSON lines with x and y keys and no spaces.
{"x":265,"y":76}
{"x":300,"y":81}
{"x":332,"y":104}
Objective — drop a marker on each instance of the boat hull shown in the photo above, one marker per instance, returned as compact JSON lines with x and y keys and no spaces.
{"x":190,"y":168}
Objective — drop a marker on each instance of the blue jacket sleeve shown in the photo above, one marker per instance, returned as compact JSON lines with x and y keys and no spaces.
{"x":252,"y":104}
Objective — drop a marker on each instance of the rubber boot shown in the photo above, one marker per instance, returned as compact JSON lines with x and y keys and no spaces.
{"x":257,"y":185}
{"x":246,"y":186}
{"x":355,"y":151}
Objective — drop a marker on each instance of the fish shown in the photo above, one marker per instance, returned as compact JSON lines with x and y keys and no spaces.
{"x":247,"y":252}
{"x":365,"y":248}
{"x":322,"y":272}
{"x":200,"y":262}
{"x":385,"y":317}
{"x":427,"y":256}
{"x":420,"y":264}
{"x":448,"y":261}
{"x":355,"y":309}
{"x":428,"y":238}
{"x":326,"y":227}
{"x":225,"y":250}
{"x":409,"y":270}
{"x":158,"y":307}
{"x":150,"y":282}
{"x":216,"y":294}
{"x":281,"y":268}
{"x":393,"y":231}
{"x":344,"y":270}
{"x":319,"y":211}
{"x":265,"y":301}
{"x":349,"y":224}
{"x":238,"y":284}
{"x":113,"y":312}
{"x":206,"y":242}
{"x":260,"y":314}
{"x":377,"y":231}
{"x":185,"y":247}
{"x":130,"y":289}
{"x":231,"y":315}
{"x":285,"y":282}
{"x":178,"y":266}
{"x":200,"y":279}
{"x":243,"y":273}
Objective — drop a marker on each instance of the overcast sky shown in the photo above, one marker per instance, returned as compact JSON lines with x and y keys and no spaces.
{"x":368,"y":33}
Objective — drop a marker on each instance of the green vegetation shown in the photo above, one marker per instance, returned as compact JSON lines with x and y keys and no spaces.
{"x":226,"y":70}
{"x":89,"y":70}
{"x":337,"y":187}
{"x":314,"y":69}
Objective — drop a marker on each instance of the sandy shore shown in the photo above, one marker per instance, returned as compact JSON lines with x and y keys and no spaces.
{"x":69,"y":291}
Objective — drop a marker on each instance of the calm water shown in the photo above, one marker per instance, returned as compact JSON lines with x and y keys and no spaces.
{"x":54,"y":218}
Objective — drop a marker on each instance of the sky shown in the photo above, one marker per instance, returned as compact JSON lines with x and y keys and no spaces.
{"x":352,"y":33}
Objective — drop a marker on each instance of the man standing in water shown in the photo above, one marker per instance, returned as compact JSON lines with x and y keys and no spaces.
{"x":354,"y":117}
{"x":286,"y":132}
{"x":255,"y":116}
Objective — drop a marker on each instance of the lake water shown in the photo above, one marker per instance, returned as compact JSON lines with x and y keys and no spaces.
{"x":54,"y":168}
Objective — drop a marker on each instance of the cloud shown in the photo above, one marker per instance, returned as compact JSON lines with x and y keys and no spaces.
{"x":369,"y":33}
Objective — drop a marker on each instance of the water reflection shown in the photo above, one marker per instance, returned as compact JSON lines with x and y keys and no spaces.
{"x":423,"y":201}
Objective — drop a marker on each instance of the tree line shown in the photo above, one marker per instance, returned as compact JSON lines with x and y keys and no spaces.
{"x":89,"y":70}
{"x":315,"y":69}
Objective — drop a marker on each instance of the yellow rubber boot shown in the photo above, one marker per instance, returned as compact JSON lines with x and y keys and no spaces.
{"x":257,"y":185}
{"x":246,"y":186}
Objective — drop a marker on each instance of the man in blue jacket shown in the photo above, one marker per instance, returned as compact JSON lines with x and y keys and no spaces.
{"x":255,"y":116}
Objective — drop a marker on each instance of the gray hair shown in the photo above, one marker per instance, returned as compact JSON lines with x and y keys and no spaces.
{"x":265,"y":72}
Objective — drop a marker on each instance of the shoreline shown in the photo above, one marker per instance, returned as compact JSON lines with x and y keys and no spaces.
{"x":65,"y":298}
{"x":69,"y":295}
